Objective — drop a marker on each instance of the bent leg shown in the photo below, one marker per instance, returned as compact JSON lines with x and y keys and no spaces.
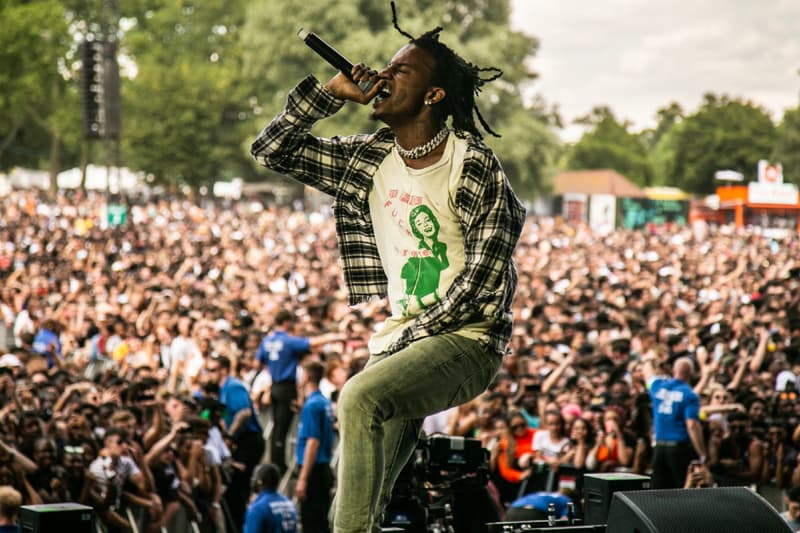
{"x":430,"y":375}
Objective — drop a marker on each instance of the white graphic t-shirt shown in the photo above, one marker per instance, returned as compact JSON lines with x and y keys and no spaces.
{"x":419,"y":237}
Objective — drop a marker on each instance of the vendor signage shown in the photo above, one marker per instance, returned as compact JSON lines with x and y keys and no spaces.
{"x":602,"y":213}
{"x":772,"y":193}
{"x":769,"y":172}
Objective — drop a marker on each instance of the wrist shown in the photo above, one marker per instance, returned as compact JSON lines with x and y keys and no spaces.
{"x":328,"y":89}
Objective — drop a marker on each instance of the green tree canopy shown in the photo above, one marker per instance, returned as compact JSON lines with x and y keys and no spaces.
{"x":724,"y":133}
{"x":35,"y":66}
{"x":609,"y":144}
{"x":275,"y":60}
{"x":787,"y":146}
{"x":661,"y":142}
{"x":185,"y":108}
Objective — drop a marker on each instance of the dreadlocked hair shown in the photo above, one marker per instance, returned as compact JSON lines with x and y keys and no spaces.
{"x":461,"y":80}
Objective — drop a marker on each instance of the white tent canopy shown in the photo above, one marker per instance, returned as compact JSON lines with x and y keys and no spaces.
{"x":100,"y":178}
{"x":26,"y":178}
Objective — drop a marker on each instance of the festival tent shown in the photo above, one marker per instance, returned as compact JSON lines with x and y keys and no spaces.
{"x":100,"y":178}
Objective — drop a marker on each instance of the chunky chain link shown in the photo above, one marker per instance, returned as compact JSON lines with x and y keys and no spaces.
{"x":423,"y":150}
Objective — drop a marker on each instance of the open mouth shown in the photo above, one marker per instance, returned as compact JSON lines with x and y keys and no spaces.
{"x":383,"y":94}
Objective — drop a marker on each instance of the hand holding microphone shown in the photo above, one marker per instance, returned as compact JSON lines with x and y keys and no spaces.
{"x":358,"y":83}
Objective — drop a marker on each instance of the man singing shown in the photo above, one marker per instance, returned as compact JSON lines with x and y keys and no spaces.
{"x":446,"y":269}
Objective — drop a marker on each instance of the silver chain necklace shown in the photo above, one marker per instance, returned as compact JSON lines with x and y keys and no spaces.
{"x":421,"y":151}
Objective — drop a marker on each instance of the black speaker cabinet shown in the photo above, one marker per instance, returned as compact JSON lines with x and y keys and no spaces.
{"x":693,"y":511}
{"x":46,"y":518}
{"x":598,"y":489}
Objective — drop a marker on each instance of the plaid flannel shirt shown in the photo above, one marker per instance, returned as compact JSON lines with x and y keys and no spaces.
{"x":490,"y":214}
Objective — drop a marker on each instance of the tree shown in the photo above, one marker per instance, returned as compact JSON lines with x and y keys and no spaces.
{"x":663,"y":156}
{"x":274,"y":59}
{"x":609,"y":144}
{"x":185,"y":108}
{"x":201,"y":78}
{"x":661,"y":143}
{"x":667,"y":117}
{"x":35,"y":90}
{"x":787,"y":146}
{"x":724,"y":133}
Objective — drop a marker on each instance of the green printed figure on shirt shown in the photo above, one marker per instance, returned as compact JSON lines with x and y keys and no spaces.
{"x":421,"y":273}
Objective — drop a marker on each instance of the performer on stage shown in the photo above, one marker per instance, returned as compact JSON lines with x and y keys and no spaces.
{"x":446,"y":269}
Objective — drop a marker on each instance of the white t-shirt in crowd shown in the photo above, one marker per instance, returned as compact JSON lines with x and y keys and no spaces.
{"x":549,"y":449}
{"x":437,"y":422}
{"x":216,"y":449}
{"x":104,"y":475}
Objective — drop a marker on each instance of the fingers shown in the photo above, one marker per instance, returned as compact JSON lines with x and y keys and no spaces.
{"x":347,"y":87}
{"x":366,"y":77}
{"x":362,"y":72}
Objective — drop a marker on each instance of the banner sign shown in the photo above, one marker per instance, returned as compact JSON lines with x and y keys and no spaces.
{"x":772,"y":193}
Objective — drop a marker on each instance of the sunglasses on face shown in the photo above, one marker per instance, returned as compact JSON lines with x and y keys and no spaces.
{"x":788,"y":396}
{"x":78,"y":450}
{"x":515,"y":427}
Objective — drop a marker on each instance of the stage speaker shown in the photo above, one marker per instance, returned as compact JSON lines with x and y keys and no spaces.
{"x":694,"y":511}
{"x":598,"y":489}
{"x":46,"y":518}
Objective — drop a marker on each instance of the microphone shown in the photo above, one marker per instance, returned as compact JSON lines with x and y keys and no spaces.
{"x":333,"y":57}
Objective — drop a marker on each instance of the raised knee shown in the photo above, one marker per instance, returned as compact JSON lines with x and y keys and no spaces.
{"x":359,"y":398}
{"x":350,"y":396}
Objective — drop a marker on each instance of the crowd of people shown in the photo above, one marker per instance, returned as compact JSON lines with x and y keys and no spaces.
{"x":125,"y":351}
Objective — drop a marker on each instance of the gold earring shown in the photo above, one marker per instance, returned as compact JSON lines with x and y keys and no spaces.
{"x":428,"y":102}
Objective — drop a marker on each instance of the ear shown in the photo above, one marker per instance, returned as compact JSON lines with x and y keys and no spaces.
{"x":435,"y":95}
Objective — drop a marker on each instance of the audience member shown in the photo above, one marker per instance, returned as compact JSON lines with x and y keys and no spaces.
{"x":269,"y":512}
{"x":10,"y":502}
{"x":107,"y":330}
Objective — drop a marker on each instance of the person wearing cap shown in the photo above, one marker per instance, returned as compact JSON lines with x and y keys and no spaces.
{"x":676,"y":422}
{"x":11,"y":362}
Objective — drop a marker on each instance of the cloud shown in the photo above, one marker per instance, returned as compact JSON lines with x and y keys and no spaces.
{"x":636,"y":56}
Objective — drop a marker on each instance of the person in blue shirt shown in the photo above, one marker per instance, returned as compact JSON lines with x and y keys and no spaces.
{"x":280,"y":352}
{"x":241,"y":423}
{"x":270,"y":511}
{"x":47,"y":343}
{"x":676,"y":422}
{"x":534,"y":506}
{"x":315,"y":438}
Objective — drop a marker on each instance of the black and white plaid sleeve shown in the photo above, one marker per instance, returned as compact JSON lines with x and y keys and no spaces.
{"x":287,"y":146}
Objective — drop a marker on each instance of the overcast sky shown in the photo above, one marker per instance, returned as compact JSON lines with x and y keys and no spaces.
{"x":638,"y":55}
